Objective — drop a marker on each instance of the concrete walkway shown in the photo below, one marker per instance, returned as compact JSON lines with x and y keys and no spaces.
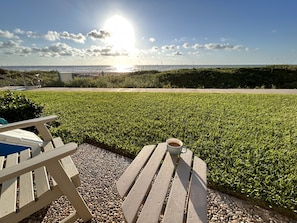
{"x":182,"y":90}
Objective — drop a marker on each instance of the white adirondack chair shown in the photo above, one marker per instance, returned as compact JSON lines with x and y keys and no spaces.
{"x":33,"y":178}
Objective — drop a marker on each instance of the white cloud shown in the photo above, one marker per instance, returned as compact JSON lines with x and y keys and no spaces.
{"x":56,"y":50}
{"x":154,"y":49}
{"x":217,"y":46}
{"x":152,"y":39}
{"x":29,"y":34}
{"x":177,"y":53}
{"x":169,"y":47}
{"x":32,"y":34}
{"x":196,"y":53}
{"x":186,"y":45}
{"x":19,"y":31}
{"x":7,"y":34}
{"x":98,"y":34}
{"x":10,"y":44}
{"x":197,"y":46}
{"x":52,"y":36}
{"x":79,"y":38}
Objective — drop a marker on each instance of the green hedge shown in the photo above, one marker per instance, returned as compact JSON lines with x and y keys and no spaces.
{"x":16,"y":107}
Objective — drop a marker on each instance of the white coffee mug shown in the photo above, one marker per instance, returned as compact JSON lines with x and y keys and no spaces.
{"x":175,"y":146}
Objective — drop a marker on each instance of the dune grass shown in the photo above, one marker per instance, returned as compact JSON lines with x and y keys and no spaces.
{"x":249,"y":142}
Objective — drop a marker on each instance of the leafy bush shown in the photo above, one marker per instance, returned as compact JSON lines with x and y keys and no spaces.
{"x":15,"y":107}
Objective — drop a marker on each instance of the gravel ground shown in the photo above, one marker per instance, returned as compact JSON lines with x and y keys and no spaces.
{"x":99,"y":169}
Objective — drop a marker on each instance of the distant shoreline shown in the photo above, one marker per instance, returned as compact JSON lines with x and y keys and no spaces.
{"x":121,"y":69}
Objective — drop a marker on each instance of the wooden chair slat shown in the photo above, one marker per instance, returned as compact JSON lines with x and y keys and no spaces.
{"x":1,"y":162}
{"x":152,"y":208}
{"x":2,"y":158}
{"x":27,"y":123}
{"x":68,"y":164}
{"x":138,"y":191}
{"x":26,"y":189}
{"x":9,"y":189}
{"x":174,"y":211}
{"x":40,"y":177}
{"x":126,"y":180}
{"x":197,"y":208}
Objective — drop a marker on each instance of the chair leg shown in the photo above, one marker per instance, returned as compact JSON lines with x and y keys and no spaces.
{"x":69,"y":190}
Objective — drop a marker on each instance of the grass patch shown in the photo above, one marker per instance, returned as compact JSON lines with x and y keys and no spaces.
{"x":249,"y":142}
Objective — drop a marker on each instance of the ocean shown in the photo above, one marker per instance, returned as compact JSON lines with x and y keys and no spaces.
{"x":116,"y":69}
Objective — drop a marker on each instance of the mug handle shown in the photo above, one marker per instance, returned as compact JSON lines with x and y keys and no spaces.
{"x":184,"y":149}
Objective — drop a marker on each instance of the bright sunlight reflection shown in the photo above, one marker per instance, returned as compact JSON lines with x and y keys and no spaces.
{"x":122,"y":37}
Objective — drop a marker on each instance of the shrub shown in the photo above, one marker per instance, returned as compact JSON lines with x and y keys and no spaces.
{"x":15,"y":107}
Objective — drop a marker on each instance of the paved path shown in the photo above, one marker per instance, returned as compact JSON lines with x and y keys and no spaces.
{"x":185,"y":90}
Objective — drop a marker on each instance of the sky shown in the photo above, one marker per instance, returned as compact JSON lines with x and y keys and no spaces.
{"x":148,"y":32}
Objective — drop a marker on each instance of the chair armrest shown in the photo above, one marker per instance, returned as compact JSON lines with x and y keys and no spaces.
{"x":27,"y":123}
{"x":38,"y":161}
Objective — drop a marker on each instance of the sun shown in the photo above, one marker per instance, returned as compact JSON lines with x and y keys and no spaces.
{"x":121,"y":34}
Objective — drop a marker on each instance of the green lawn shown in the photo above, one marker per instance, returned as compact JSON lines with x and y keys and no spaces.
{"x":249,"y":142}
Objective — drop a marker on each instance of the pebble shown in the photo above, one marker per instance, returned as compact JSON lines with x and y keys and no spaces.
{"x":99,"y":169}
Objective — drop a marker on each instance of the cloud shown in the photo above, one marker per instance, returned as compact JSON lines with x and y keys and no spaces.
{"x":98,"y":34}
{"x":105,"y":51}
{"x":10,"y":44}
{"x":216,"y":46}
{"x":8,"y":35}
{"x":19,"y":31}
{"x":29,"y":34}
{"x":79,"y":38}
{"x":152,"y":39}
{"x":56,"y":50}
{"x":53,"y":36}
{"x":61,"y":49}
{"x":169,"y":47}
{"x":197,"y":46}
{"x":186,"y":45}
{"x":32,"y":34}
{"x":213,"y":46}
{"x":196,"y":53}
{"x":177,"y":53}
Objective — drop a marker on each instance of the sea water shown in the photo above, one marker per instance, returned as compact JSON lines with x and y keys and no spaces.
{"x":117,"y":69}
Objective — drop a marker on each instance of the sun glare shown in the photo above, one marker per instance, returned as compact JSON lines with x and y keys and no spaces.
{"x":122,"y":37}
